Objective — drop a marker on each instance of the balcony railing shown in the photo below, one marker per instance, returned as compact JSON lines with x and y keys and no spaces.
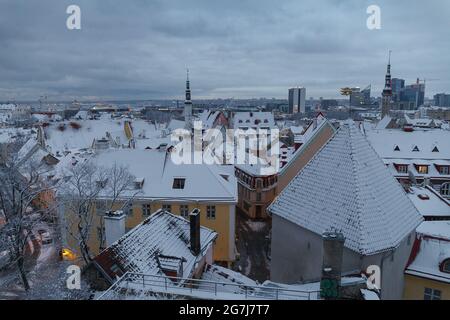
{"x":141,"y":286}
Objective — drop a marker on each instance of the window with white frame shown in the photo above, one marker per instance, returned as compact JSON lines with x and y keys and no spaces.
{"x":444,"y":169}
{"x":146,"y":209}
{"x":211,"y":212}
{"x":431,"y":294}
{"x":445,"y":189}
{"x":184,"y":210}
{"x":167,"y":207}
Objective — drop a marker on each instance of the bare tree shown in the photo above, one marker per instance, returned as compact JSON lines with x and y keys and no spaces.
{"x":20,"y":187}
{"x":84,"y":182}
{"x":86,"y":185}
{"x":120,"y":181}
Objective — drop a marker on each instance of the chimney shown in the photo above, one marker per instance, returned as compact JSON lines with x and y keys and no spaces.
{"x":194,"y":219}
{"x":114,"y":226}
{"x":333,"y":247}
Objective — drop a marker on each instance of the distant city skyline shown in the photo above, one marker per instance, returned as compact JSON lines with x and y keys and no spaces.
{"x":140,"y":50}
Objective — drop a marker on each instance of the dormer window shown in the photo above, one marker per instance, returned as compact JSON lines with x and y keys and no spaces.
{"x":443,"y":169}
{"x":138,"y":183}
{"x":435,"y":149}
{"x":102,"y":183}
{"x":445,"y":265}
{"x":172,"y":267}
{"x":401,"y":168}
{"x":422,"y":169}
{"x":396,"y":148}
{"x":415,"y":149}
{"x":178,"y":183}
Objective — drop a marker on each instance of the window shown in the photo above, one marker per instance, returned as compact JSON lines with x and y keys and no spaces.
{"x":432,"y":294}
{"x":402,"y":168}
{"x":445,"y":189}
{"x":178,"y":183}
{"x":146,"y":209}
{"x":444,"y":170}
{"x":258,"y":196}
{"x":435,"y":149}
{"x":415,"y":149}
{"x":446,"y":265}
{"x":396,"y":148}
{"x":100,"y":206}
{"x":184,"y":210}
{"x":422,"y":169}
{"x":167,"y":207}
{"x":211,"y":212}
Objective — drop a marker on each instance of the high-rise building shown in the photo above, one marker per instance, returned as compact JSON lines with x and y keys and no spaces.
{"x":188,"y":105}
{"x":360,"y":97}
{"x":387,"y":91}
{"x":442,"y":100}
{"x":297,"y":100}
{"x":397,"y":86}
{"x":413,"y":95}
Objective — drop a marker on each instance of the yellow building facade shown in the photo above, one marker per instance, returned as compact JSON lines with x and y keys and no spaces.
{"x":219,"y":217}
{"x":418,"y":288}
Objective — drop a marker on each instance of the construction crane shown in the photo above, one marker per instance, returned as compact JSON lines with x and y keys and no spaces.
{"x":424,"y":80}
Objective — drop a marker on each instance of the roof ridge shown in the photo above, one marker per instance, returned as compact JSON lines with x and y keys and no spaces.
{"x":357,"y":191}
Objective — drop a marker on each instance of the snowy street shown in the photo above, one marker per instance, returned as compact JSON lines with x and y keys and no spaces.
{"x":252,"y":247}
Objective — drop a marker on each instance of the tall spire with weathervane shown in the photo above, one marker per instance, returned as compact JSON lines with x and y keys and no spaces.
{"x":188,"y":105}
{"x":387,"y":91}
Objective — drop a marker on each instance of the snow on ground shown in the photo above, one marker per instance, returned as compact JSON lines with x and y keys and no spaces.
{"x":256,"y":226}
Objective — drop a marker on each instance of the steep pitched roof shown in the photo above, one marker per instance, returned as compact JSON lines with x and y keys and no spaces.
{"x":346,"y":187}
{"x":161,"y":234}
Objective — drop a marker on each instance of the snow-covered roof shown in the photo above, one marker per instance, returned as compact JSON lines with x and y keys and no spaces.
{"x":161,"y":234}
{"x":386,"y":141}
{"x":202,"y":182}
{"x":215,"y":273}
{"x":8,"y":135}
{"x":175,"y":124}
{"x":428,"y":202}
{"x":291,"y":153}
{"x":383,"y":123}
{"x":262,"y":120}
{"x":296,"y":130}
{"x":347,"y":187}
{"x":81,"y":134}
{"x":437,"y":229}
{"x":434,"y":237}
{"x":208,"y":117}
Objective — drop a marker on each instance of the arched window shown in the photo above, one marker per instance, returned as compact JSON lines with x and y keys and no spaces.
{"x":445,"y":189}
{"x":445,"y":265}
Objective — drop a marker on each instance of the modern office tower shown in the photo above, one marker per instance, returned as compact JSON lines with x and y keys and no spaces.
{"x":412,"y":96}
{"x":397,"y":86}
{"x":442,"y":100}
{"x":297,"y":100}
{"x":360,"y":97}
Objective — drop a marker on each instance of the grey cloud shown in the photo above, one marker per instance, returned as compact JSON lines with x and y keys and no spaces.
{"x":140,"y":49}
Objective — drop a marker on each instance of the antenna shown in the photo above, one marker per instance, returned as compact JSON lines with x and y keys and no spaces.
{"x":390,"y":51}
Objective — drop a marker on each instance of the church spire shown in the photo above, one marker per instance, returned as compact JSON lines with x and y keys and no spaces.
{"x":188,"y":104}
{"x":387,"y":91}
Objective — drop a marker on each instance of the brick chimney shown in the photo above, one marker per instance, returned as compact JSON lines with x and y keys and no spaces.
{"x":114,"y":226}
{"x":194,"y":219}
{"x":333,"y":248}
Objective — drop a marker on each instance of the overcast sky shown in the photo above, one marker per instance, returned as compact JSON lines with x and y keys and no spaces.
{"x":139,"y":49}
